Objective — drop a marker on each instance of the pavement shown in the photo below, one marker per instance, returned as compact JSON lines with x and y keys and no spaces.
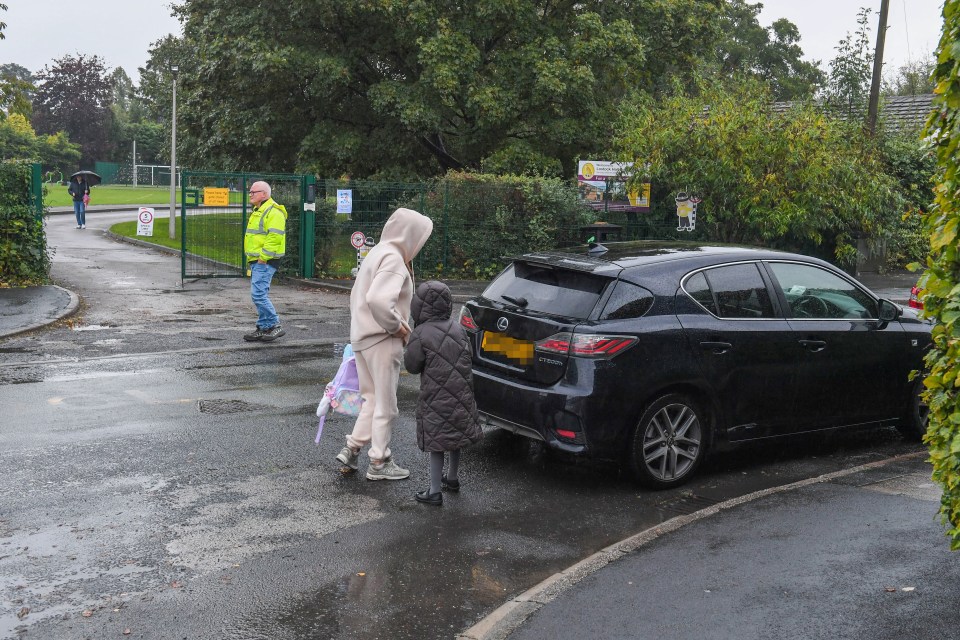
{"x":858,"y":553}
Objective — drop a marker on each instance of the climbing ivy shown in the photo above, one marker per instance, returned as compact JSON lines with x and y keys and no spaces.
{"x":941,"y":280}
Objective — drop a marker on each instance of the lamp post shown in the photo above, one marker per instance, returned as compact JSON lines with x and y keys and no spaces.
{"x":173,"y":157}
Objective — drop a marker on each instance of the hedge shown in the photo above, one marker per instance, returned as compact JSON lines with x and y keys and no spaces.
{"x":24,"y":259}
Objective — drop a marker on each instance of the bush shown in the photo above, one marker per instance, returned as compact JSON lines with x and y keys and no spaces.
{"x":480,"y":219}
{"x":23,"y":243}
{"x":941,"y":281}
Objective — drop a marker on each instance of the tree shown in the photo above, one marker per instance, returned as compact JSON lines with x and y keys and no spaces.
{"x":771,"y":53}
{"x":940,"y":282}
{"x":123,"y":89}
{"x":911,"y":79}
{"x":18,"y":141}
{"x":75,"y":96}
{"x":851,"y":71}
{"x":16,"y":90}
{"x":3,"y":25}
{"x":795,"y":180}
{"x":402,"y":88}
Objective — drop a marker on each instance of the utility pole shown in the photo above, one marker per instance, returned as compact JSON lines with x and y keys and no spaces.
{"x":173,"y":158}
{"x":877,"y":69}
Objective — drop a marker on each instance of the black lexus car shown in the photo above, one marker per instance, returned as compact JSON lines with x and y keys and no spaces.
{"x":654,"y":353}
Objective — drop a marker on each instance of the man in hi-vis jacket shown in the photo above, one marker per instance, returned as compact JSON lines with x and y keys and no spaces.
{"x":264,"y":244}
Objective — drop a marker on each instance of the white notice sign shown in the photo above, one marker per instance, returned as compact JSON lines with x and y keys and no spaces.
{"x":145,"y":222}
{"x":344,"y":200}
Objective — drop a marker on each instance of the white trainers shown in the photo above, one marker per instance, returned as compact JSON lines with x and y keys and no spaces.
{"x":348,"y":457}
{"x":387,"y":471}
{"x":83,"y":226}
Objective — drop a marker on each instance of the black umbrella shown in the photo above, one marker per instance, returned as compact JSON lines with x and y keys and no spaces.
{"x":92,"y":178}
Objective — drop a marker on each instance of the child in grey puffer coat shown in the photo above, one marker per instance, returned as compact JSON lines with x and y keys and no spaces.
{"x":446,"y":411}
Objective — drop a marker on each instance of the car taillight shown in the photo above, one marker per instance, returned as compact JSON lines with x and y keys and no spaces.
{"x":585,"y":345}
{"x":915,"y":301}
{"x":466,"y":320}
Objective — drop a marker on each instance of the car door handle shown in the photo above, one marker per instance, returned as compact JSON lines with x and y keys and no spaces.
{"x":814,"y":345}
{"x":716,"y":347}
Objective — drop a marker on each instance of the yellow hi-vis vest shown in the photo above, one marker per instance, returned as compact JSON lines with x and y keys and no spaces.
{"x":266,"y":236}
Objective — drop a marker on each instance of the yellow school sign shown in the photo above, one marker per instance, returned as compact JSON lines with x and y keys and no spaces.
{"x":214,"y":197}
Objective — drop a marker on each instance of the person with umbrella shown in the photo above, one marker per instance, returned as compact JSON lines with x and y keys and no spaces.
{"x":80,"y":191}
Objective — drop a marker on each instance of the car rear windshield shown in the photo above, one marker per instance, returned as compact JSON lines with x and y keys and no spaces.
{"x":545,"y":289}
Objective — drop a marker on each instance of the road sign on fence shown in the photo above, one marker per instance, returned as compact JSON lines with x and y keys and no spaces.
{"x":357,"y":239}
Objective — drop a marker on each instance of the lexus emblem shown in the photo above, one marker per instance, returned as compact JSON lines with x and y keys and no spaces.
{"x":502,"y":324}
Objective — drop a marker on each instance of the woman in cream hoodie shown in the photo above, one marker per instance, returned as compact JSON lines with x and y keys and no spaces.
{"x":379,"y":327}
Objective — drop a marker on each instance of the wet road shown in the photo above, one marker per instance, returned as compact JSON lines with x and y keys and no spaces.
{"x":160,"y":476}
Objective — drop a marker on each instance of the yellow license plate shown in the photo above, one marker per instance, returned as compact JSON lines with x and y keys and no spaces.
{"x":519,"y":351}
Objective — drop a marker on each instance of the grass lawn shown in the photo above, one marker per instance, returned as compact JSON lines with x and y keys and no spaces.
{"x":220,"y":237}
{"x":57,"y":195}
{"x":215,"y":236}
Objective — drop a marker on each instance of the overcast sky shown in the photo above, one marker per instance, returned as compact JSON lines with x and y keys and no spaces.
{"x":913,"y":26}
{"x":121,"y":31}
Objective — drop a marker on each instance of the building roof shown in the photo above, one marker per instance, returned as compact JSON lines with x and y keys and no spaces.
{"x":896,"y":112}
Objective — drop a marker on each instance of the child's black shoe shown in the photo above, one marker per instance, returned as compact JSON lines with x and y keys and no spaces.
{"x":446,"y":485}
{"x":425,"y":497}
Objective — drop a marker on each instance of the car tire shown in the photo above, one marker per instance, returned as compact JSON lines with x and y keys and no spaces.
{"x":669,"y":442}
{"x":914,"y":424}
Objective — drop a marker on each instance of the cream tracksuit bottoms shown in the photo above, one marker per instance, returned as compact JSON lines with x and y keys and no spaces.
{"x":378,"y":370}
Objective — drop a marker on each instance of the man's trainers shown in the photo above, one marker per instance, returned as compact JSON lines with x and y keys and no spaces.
{"x":348,"y":457}
{"x":255,"y":336}
{"x":387,"y":471}
{"x":271,"y":334}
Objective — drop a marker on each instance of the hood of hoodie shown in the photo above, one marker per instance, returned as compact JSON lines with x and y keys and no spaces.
{"x":408,"y":230}
{"x":431,"y":302}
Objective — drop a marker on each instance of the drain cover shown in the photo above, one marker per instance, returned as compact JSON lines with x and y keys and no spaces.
{"x":220,"y":407}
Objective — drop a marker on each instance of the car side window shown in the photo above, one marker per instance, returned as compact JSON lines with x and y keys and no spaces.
{"x":815,"y":292}
{"x":627,"y":301}
{"x":698,"y":289}
{"x":731,"y":291}
{"x":740,"y":291}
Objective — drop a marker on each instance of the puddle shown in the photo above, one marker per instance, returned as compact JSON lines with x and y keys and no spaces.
{"x":93,"y":327}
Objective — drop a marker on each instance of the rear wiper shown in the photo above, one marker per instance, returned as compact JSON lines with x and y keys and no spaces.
{"x":520,"y":302}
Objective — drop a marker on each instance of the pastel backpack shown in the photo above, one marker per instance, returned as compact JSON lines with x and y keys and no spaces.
{"x":342,"y":394}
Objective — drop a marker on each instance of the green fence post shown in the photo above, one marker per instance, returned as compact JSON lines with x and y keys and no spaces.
{"x":308,"y":222}
{"x":36,"y":188}
{"x":184,"y":181}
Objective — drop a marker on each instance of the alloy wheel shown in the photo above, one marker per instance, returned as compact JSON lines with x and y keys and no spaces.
{"x":671,"y":442}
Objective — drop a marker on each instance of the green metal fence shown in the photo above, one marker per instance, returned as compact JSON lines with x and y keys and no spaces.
{"x":477,"y":225}
{"x":36,"y":189}
{"x":211,"y":231}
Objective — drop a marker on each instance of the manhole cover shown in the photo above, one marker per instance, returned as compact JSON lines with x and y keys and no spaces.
{"x":220,"y":407}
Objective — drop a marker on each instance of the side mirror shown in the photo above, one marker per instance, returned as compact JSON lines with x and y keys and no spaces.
{"x":888,"y":311}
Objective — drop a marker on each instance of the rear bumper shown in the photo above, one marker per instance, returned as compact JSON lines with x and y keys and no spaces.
{"x":488,"y":420}
{"x":537,"y":412}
